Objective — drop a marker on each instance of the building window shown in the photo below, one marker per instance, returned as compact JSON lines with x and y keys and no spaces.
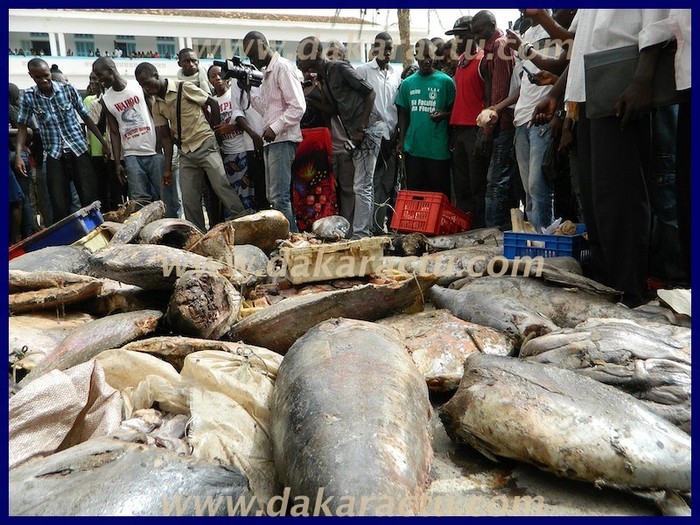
{"x":165,"y":49}
{"x":40,"y":36}
{"x":126,"y":38}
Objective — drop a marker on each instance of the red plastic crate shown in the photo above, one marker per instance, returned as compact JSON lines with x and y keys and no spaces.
{"x":428,"y":213}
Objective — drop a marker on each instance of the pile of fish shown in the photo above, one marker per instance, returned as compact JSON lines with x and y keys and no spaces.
{"x":236,"y":390}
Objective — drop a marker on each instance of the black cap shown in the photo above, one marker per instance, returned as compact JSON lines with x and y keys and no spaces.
{"x":462,"y":25}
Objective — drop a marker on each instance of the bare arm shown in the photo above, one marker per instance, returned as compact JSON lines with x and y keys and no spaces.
{"x":19,"y":146}
{"x":214,"y":112}
{"x":167,"y":142}
{"x":106,"y":150}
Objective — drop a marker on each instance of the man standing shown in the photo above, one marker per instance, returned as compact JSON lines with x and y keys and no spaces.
{"x":425,"y":102}
{"x":385,"y":80}
{"x":191,"y":70}
{"x":281,"y":103}
{"x":353,"y":98}
{"x":134,"y":134}
{"x":468,"y":170}
{"x":199,"y":150}
{"x":55,"y":106}
{"x":496,"y":141}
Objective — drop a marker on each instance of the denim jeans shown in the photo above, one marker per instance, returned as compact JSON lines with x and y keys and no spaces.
{"x":499,"y":180}
{"x":144,"y":174}
{"x":531,"y":145}
{"x":364,"y":158}
{"x":278,"y":158}
{"x":344,"y":172}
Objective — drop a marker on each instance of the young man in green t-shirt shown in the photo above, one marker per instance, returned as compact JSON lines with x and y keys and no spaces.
{"x":425,"y":104}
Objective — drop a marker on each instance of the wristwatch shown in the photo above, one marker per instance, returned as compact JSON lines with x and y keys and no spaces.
{"x":561,"y":113}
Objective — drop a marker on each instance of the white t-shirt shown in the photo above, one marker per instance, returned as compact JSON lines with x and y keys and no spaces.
{"x":242,"y":108}
{"x":136,"y":128}
{"x":531,"y":94}
{"x":232,"y":142}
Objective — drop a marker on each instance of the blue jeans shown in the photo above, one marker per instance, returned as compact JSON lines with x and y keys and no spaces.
{"x":499,"y":179}
{"x":364,"y":158}
{"x":278,"y":178}
{"x":531,"y":145}
{"x":144,"y":174}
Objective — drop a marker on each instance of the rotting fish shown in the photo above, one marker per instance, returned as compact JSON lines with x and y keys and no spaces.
{"x":216,"y":244}
{"x":439,"y":343}
{"x":129,"y":232}
{"x":119,"y":476}
{"x":177,"y":233}
{"x":33,"y":291}
{"x":203,"y":304}
{"x":252,"y":262}
{"x":154,"y":267}
{"x":470,"y":238}
{"x":650,"y":363}
{"x":331,"y":228}
{"x":411,"y":244}
{"x":85,"y":342}
{"x":354,"y":431}
{"x":174,"y":349}
{"x":564,"y":307}
{"x":278,"y":326}
{"x":516,"y":320}
{"x":117,"y":297}
{"x":122,"y":213}
{"x":565,"y":423}
{"x":71,"y":259}
{"x":262,"y":229}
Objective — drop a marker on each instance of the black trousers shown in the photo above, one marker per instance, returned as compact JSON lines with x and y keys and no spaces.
{"x":469,"y":174}
{"x":60,"y":172}
{"x":613,"y":166}
{"x":424,"y":174}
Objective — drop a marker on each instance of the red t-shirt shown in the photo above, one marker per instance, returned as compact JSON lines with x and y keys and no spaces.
{"x":469,"y":100}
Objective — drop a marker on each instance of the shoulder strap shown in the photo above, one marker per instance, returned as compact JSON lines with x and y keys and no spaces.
{"x":179,"y":108}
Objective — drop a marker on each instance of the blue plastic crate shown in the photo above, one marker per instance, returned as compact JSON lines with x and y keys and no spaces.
{"x":68,"y":230}
{"x":534,"y":245}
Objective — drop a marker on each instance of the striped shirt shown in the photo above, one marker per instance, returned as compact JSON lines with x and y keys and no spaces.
{"x":59,"y":126}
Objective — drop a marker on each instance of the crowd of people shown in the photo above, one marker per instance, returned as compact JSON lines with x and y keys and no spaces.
{"x":117,"y":53}
{"x":494,"y":120}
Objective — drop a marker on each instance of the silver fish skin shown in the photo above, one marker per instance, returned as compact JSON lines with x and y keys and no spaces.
{"x":129,"y":232}
{"x":355,"y":431}
{"x":565,"y":423}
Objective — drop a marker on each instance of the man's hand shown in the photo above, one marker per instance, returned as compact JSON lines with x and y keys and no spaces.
{"x":358,"y":137}
{"x":106,"y":151}
{"x":19,"y":166}
{"x":121,"y":174}
{"x":223,"y":128}
{"x":438,"y":115}
{"x":483,"y":145}
{"x":545,"y":78}
{"x":257,"y":143}
{"x":567,"y":137}
{"x":167,"y":177}
{"x":514,"y":40}
{"x":634,"y":102}
{"x":269,"y":135}
{"x":544,"y":111}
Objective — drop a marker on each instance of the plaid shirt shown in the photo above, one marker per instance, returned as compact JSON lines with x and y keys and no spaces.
{"x":59,"y":126}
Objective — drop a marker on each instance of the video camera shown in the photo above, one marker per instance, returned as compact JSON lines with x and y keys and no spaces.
{"x":247,"y":74}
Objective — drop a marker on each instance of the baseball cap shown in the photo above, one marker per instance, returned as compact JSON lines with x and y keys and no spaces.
{"x":462,"y":25}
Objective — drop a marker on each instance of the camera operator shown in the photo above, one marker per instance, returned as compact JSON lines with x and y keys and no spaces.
{"x":353,"y":99}
{"x":281,"y":103}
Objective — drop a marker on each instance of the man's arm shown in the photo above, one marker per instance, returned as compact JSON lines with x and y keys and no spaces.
{"x":116,"y":140}
{"x":364,"y":117}
{"x":214,"y":112}
{"x":555,"y":65}
{"x":637,"y":98}
{"x":19,"y":147}
{"x":293,"y":97}
{"x":106,"y":150}
{"x":167,"y":142}
{"x":404,"y":122}
{"x":549,"y":24}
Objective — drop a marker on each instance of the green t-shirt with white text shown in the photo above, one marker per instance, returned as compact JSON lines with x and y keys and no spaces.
{"x":421,"y":95}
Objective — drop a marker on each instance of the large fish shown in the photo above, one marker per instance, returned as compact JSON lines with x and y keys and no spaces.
{"x":153,"y":267}
{"x":262,"y":229}
{"x":565,"y":423}
{"x":650,"y":362}
{"x":72,"y":259}
{"x":563,"y":306}
{"x":278,"y":326}
{"x":203,"y":304}
{"x":439,"y":343}
{"x":514,"y":319}
{"x":351,"y":417}
{"x":85,"y":342}
{"x":119,"y":476}
{"x":129,"y":232}
{"x":32,"y":291}
{"x":176,"y":233}
{"x":216,"y":244}
{"x":470,"y":238}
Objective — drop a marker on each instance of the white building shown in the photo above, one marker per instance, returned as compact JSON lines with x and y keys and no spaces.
{"x":67,"y":37}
